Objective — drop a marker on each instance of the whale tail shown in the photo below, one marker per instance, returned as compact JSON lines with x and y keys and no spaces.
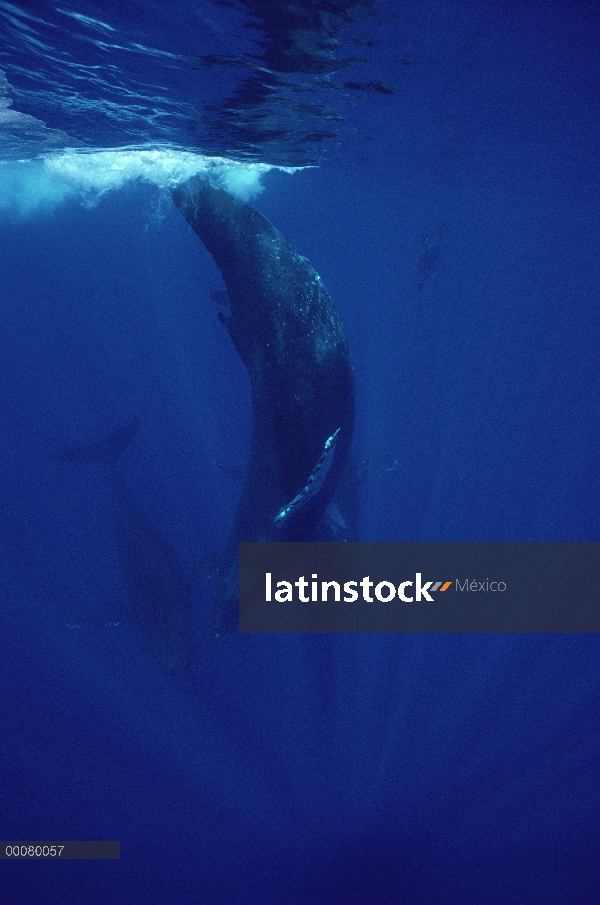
{"x":106,"y":452}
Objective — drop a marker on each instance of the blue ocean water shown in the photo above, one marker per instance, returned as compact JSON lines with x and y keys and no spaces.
{"x":438,"y":165}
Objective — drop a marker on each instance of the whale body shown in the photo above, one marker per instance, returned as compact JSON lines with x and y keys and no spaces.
{"x":286,"y":330}
{"x":158,"y":590}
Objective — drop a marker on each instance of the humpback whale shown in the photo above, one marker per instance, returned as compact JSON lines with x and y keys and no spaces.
{"x":285,"y":329}
{"x":157,"y":587}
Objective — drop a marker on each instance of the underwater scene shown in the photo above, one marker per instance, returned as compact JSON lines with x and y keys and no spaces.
{"x":293,"y":270}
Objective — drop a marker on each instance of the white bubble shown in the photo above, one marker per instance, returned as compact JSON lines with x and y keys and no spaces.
{"x":26,"y":189}
{"x":85,"y":176}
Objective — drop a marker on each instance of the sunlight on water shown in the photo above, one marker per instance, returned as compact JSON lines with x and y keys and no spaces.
{"x":27,"y":186}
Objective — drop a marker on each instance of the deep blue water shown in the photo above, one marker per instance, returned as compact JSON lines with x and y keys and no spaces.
{"x":443,"y":770}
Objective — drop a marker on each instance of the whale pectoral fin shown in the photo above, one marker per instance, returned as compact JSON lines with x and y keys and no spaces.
{"x":333,"y":527}
{"x":314,"y":483}
{"x":335,"y":519}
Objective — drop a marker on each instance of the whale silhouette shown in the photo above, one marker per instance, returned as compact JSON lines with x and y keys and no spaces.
{"x":285,"y":328}
{"x":158,"y":589}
